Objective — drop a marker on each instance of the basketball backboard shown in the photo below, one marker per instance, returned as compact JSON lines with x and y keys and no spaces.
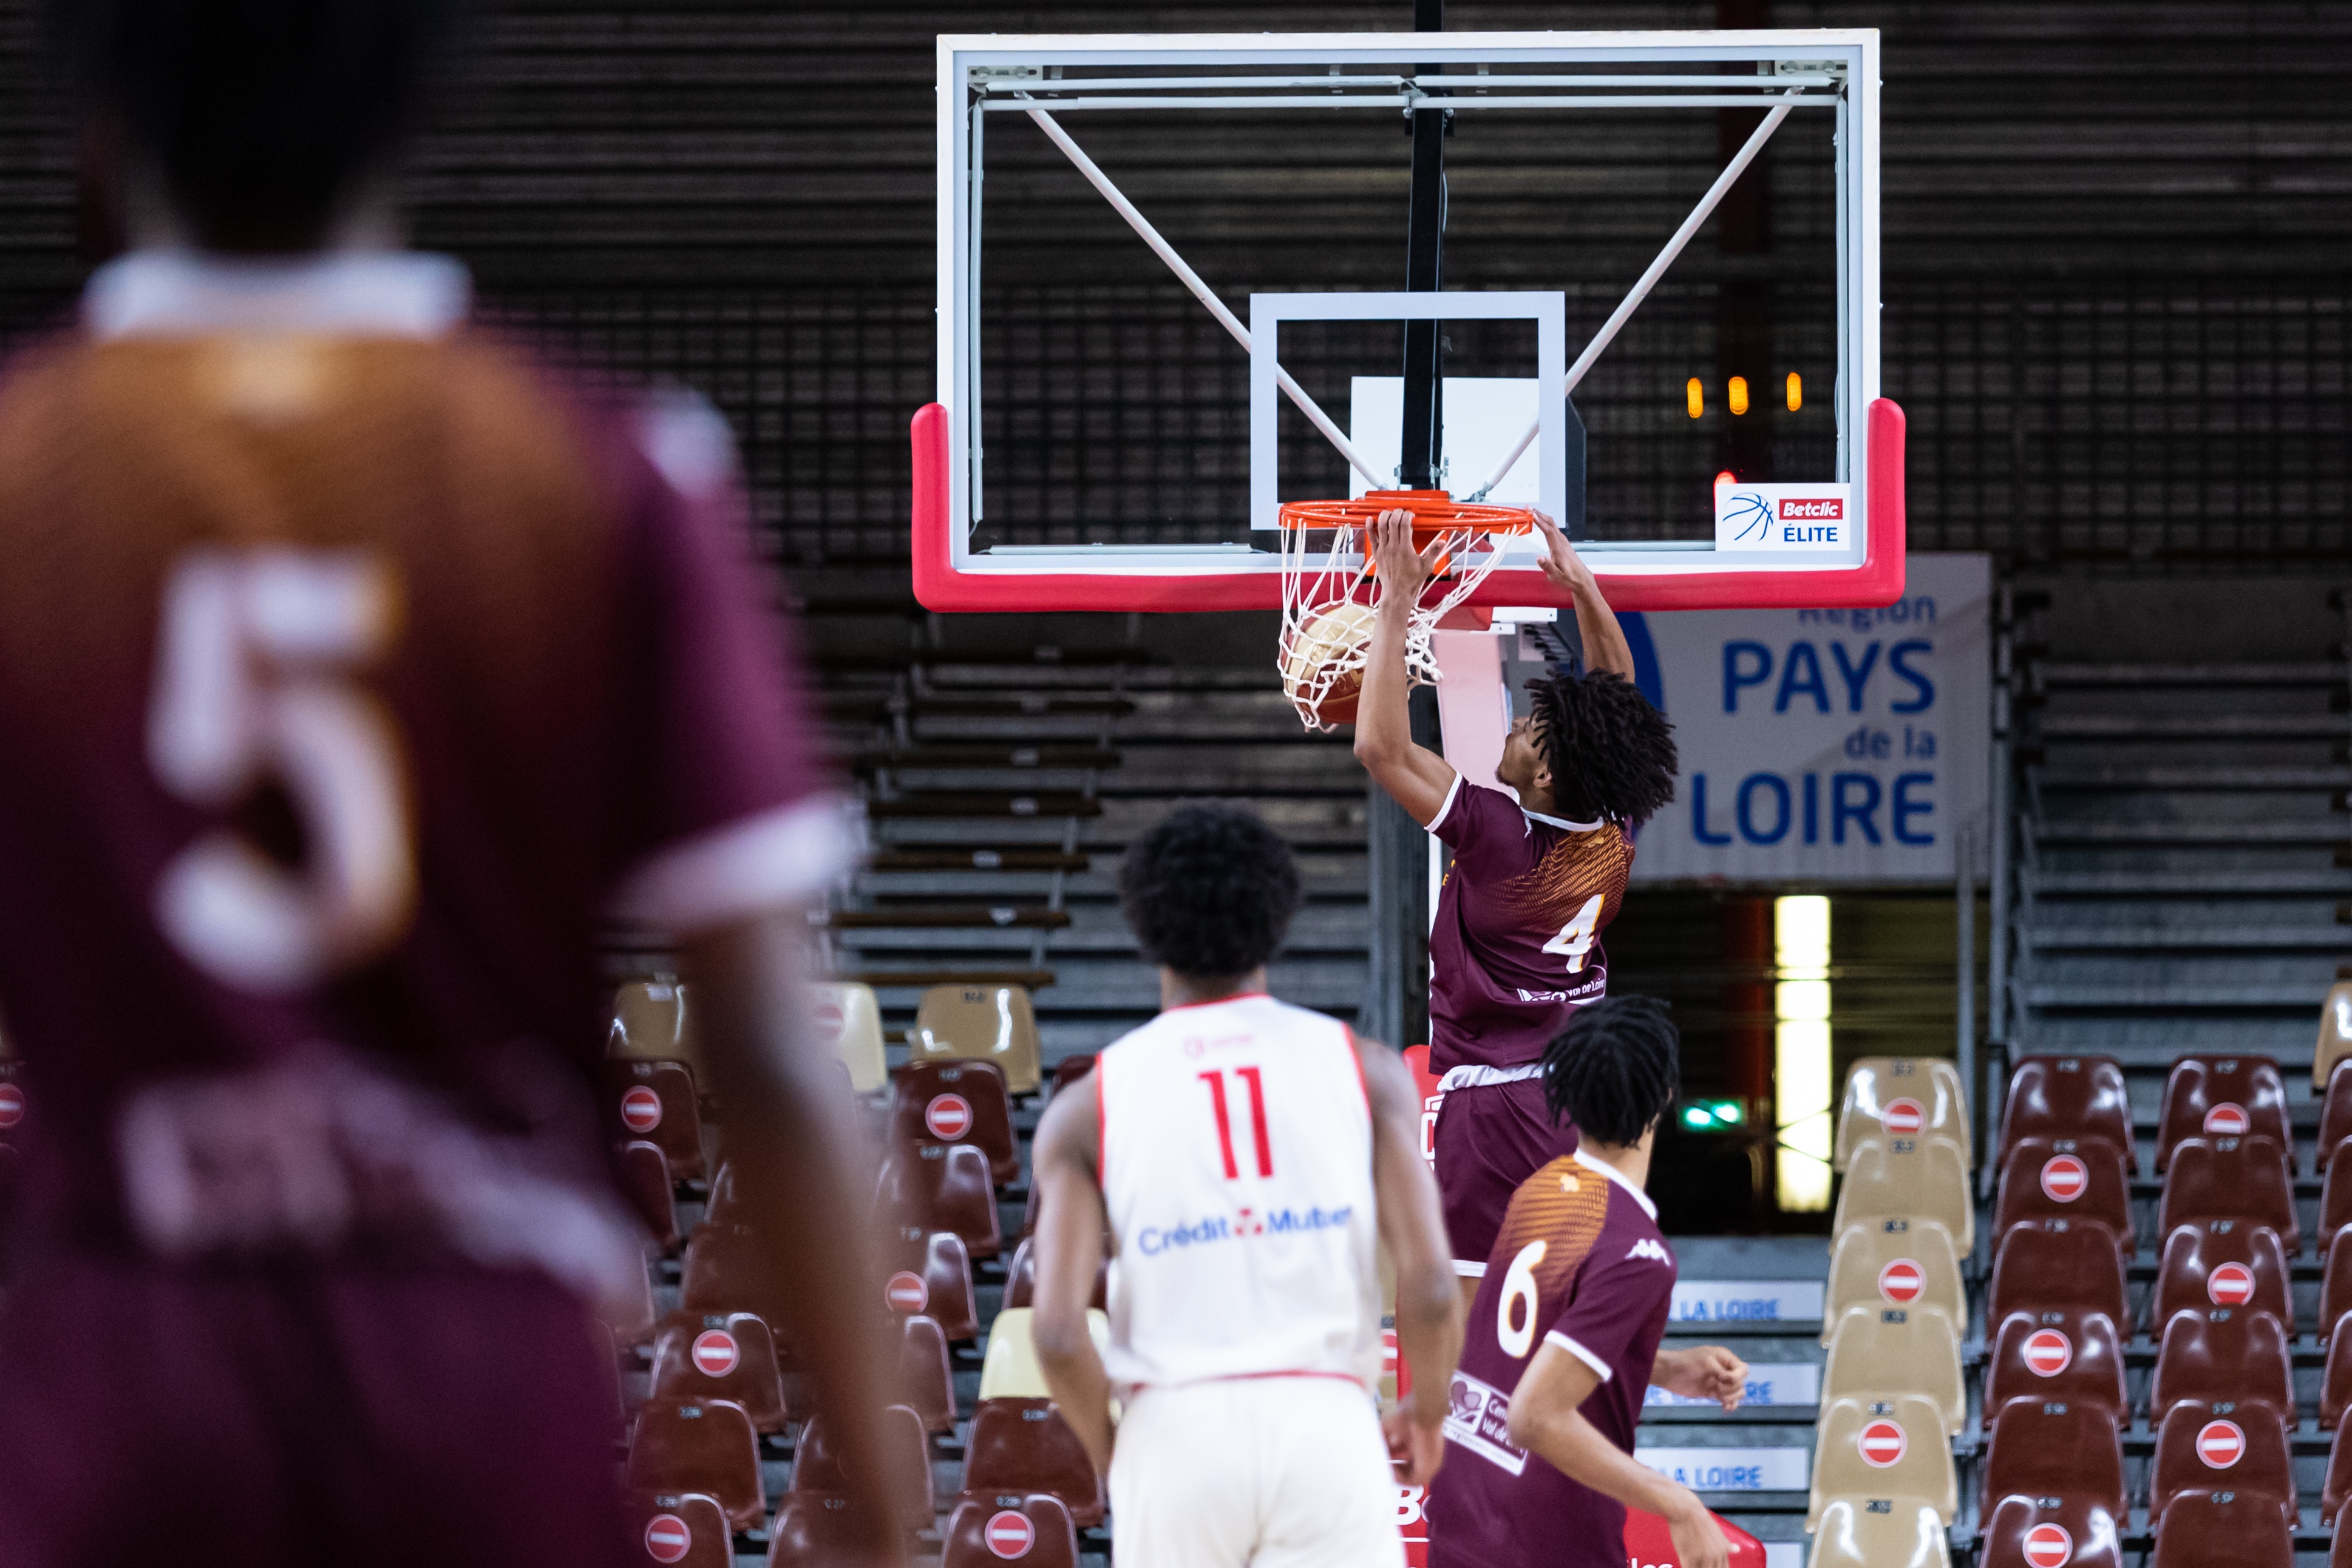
{"x":1104,"y":442}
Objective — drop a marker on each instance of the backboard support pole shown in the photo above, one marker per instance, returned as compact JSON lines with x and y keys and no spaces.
{"x":1422,"y":452}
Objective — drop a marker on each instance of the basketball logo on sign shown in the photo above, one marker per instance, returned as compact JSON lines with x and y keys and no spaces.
{"x":1010,"y":1534}
{"x":906,"y":1292}
{"x":1882,"y":1444}
{"x":2048,"y":1353}
{"x":2049,"y":1546}
{"x":12,"y":1105}
{"x":668,"y":1539}
{"x":716,"y":1353}
{"x":1902,"y":1281}
{"x":2220,"y":1444}
{"x":2228,"y":1120}
{"x":948,"y":1116}
{"x":640,"y":1109}
{"x":2231,"y":1285}
{"x":2064,"y":1179}
{"x":1903,"y":1118}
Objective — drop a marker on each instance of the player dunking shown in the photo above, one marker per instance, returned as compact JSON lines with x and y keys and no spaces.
{"x":355,"y":670}
{"x":1563,"y":1337}
{"x":1247,"y":1156}
{"x":1516,"y":946}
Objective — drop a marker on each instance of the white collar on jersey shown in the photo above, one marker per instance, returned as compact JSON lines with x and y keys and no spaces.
{"x":1563,"y":824}
{"x":352,"y":294}
{"x":1613,"y":1174}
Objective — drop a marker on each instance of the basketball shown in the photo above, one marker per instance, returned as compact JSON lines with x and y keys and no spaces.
{"x":1334,"y":636}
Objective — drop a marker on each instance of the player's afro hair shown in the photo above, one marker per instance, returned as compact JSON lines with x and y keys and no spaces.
{"x":260,"y":116}
{"x":1613,"y":1070}
{"x":1612,"y":753}
{"x":1210,"y":892}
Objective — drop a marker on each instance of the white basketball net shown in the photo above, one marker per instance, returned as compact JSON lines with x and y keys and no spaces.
{"x":1326,"y":593}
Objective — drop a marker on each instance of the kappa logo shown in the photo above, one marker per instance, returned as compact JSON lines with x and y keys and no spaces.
{"x":1647,"y":1248}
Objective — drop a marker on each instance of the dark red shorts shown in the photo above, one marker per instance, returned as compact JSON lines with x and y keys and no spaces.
{"x":302,"y":1416}
{"x":1489,"y":1139}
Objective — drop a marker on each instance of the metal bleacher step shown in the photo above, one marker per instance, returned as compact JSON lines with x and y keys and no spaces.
{"x":2310,"y":673}
{"x":2118,"y":936}
{"x":900,"y":857}
{"x":2193,"y":726}
{"x":2179,"y":776}
{"x":2313,"y":830}
{"x":946,"y":916}
{"x":945,"y":756}
{"x":923,"y":980}
{"x":2159,"y":997}
{"x":982,"y":804}
{"x":2158,"y":883}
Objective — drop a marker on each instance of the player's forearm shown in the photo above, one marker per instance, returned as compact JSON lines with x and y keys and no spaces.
{"x":1383,"y":717}
{"x":1429,"y":1338}
{"x":1575,"y":1447}
{"x":1605,"y":647}
{"x":1075,"y":1378}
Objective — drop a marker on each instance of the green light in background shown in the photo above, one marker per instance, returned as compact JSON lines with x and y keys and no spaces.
{"x":1713,"y":1115}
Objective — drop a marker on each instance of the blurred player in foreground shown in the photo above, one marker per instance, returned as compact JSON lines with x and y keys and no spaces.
{"x":1516,"y":945}
{"x":355,"y":670}
{"x":1563,"y":1338}
{"x":1248,"y":1158}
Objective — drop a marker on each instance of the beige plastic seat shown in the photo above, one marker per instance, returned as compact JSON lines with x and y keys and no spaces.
{"x":1868,"y":1268}
{"x":1905,"y":1534}
{"x":1873,"y":1081}
{"x":1911,"y":1458}
{"x":988,"y":1023}
{"x":1912,"y":1179}
{"x":651,"y":1022}
{"x":846,"y":1017}
{"x":2334,"y":1033}
{"x":1878,"y":1352}
{"x":1010,"y":1371}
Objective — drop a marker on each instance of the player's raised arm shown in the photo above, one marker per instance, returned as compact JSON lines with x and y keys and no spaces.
{"x":1412,"y":1228}
{"x":1547,"y":1419}
{"x":1416,"y":776}
{"x":1605,"y":647}
{"x":1069,"y":1248}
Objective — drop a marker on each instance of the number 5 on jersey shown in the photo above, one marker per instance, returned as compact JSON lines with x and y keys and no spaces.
{"x":1575,"y":938}
{"x":1215,"y":1080}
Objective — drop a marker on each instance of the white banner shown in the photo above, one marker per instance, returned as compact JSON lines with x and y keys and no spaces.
{"x":1825,"y":746}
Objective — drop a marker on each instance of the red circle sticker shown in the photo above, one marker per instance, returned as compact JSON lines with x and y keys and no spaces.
{"x":668,"y":1538}
{"x":1388,"y":1353}
{"x":2064,"y":1179}
{"x":1882,"y":1444}
{"x":640,"y":1108}
{"x":906,"y":1292}
{"x":1010,"y":1534}
{"x":2048,"y":1353}
{"x":1902,"y":1281}
{"x":830,"y":1020}
{"x":2220,"y":1444}
{"x":12,"y":1105}
{"x":2228,"y":1120}
{"x":2231,"y":1285}
{"x":948,"y":1116}
{"x":1903,"y":1118}
{"x":2049,"y":1546}
{"x":716,"y":1353}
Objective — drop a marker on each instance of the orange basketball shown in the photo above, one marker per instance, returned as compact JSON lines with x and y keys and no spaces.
{"x":1334,"y":636}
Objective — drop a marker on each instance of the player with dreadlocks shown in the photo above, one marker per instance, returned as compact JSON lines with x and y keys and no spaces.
{"x":1516,"y":946}
{"x":1563,"y":1337}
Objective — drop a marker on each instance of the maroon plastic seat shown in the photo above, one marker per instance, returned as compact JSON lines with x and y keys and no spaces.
{"x":655,"y":1100}
{"x":2231,"y":1178}
{"x":2048,"y":1448}
{"x":942,"y":1186}
{"x":699,"y":1444}
{"x":2050,"y":1263}
{"x":2242,"y":1447}
{"x":1024,"y":1445}
{"x":1070,"y":1069}
{"x":2069,"y":1097}
{"x":727,"y":1271}
{"x":2221,"y":1263}
{"x":2222,"y":1530}
{"x":2221,"y":1354}
{"x":2065,"y":1178}
{"x":2336,"y":1282}
{"x":1021,"y":1278}
{"x":2339,"y":1485}
{"x":1033,"y":1528}
{"x":930,"y":1273}
{"x":686,"y":1529}
{"x":642,"y":1172}
{"x":956,"y":1102}
{"x":907,"y":1454}
{"x":2090,"y":1533}
{"x":2335,"y":1200}
{"x":721,"y":1355}
{"x":2334,"y":1113}
{"x":926,"y":1382}
{"x":818,"y":1529}
{"x":2221,"y":1097}
{"x":2063,"y":1354}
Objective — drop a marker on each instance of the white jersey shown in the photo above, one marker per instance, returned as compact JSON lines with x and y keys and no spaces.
{"x":1237,"y":1170}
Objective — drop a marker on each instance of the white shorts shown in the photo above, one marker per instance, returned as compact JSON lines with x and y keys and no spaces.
{"x":1267,"y":1472}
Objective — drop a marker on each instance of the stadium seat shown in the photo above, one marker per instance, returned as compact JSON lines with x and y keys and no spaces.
{"x":2222,"y":1530}
{"x":1024,"y":1445}
{"x":1011,"y":1370}
{"x":2063,"y":1354}
{"x":2069,"y":1097}
{"x":848,"y":1019}
{"x":1873,"y":1083}
{"x":655,"y":1101}
{"x":987,"y":1023}
{"x":699,"y":1444}
{"x":2223,"y":1353}
{"x":942,"y":1186}
{"x":2336,"y":1284}
{"x":1929,"y":1180}
{"x":813,"y":1529}
{"x":651,"y":1023}
{"x":2336,"y":1383}
{"x":631,"y":1321}
{"x":2048,"y":1448}
{"x":1894,"y":1263}
{"x":1883,"y":1448}
{"x":683,"y":1530}
{"x":2339,"y":1473}
{"x":1033,"y":1528}
{"x":721,"y":1355}
{"x":1021,"y":1278}
{"x":727,"y":1272}
{"x":2221,"y":1263}
{"x":2334,"y":1033}
{"x":1072,"y":1068}
{"x":2241,"y":1446}
{"x":2334,"y":1201}
{"x":1878,"y":1533}
{"x":643,"y":1176}
{"x":2062,"y":1178}
{"x":2231,"y":1178}
{"x":1878,"y":1352}
{"x":954,"y":1101}
{"x":2334,"y":1117}
{"x":931,"y":1274}
{"x":2032,"y":1532}
{"x":907,"y":1453}
{"x":2222,"y":1097}
{"x":2057,"y":1263}
{"x":926,"y":1381}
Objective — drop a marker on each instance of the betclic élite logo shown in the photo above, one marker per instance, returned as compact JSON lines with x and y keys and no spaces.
{"x":1786,"y":520}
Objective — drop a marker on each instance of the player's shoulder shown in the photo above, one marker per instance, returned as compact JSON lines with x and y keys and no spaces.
{"x":1562,"y":1203}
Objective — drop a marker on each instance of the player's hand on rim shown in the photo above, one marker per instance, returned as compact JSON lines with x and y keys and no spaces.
{"x":1401,"y":570}
{"x":1562,"y":566}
